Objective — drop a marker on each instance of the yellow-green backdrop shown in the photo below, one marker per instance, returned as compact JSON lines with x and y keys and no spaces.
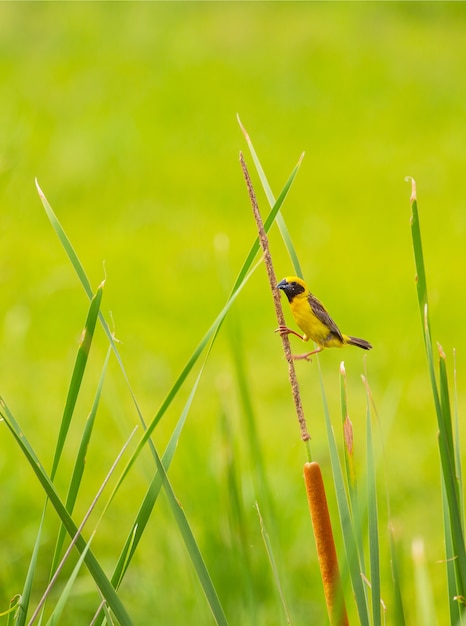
{"x":126,"y":114}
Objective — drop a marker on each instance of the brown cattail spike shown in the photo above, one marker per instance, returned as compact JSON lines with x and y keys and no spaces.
{"x":325,"y":544}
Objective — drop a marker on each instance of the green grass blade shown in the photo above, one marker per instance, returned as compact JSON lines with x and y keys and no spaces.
{"x":192,"y":547}
{"x":349,"y":534}
{"x":398,"y":609}
{"x":65,"y":242}
{"x":452,"y":581}
{"x":269,"y":550}
{"x":373,"y":524}
{"x":442,"y":408}
{"x":347,"y":436}
{"x":77,"y":376}
{"x":92,"y":564}
{"x":457,"y":614}
{"x":80,"y":462}
{"x":458,"y":464}
{"x":357,"y":509}
{"x":270,"y":197}
{"x":12,"y":609}
{"x":79,"y":269}
{"x":454,"y":535}
{"x":23,"y":604}
{"x":54,"y":619}
{"x":421,"y":283}
{"x":451,"y":488}
{"x":447,"y":430}
{"x":446,"y":409}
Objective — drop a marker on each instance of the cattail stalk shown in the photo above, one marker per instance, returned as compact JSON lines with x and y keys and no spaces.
{"x":264,"y":242}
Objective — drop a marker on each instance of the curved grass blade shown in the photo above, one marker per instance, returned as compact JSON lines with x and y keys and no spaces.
{"x":421,"y":283}
{"x":77,"y":376}
{"x":12,"y":609}
{"x":80,"y":462}
{"x":92,"y":564}
{"x":270,"y":197}
{"x":79,"y":269}
{"x":23,"y":603}
{"x":65,"y":242}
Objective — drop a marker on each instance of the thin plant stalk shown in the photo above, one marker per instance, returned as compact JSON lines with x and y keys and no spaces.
{"x":305,"y":436}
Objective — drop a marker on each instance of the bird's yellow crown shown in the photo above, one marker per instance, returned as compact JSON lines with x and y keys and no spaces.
{"x":293,"y":286}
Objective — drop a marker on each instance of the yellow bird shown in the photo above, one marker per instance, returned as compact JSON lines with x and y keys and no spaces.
{"x":312,"y":318}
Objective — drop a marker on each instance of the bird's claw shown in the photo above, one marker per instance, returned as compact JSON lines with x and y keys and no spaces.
{"x":302,"y":357}
{"x":283,"y":330}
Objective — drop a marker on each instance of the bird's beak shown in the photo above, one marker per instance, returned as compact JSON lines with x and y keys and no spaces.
{"x":282,"y":284}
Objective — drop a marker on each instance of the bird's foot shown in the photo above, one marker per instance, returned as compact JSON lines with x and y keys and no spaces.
{"x":302,"y":357}
{"x":284,"y":330}
{"x":307,"y":355}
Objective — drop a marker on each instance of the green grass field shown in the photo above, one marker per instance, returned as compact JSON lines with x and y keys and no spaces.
{"x":126,"y":114}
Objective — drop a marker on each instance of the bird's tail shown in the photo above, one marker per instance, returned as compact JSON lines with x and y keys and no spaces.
{"x":360,"y":343}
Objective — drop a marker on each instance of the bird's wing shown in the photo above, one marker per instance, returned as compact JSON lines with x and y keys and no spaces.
{"x":319,"y":311}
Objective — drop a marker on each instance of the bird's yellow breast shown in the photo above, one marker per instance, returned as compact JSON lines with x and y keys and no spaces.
{"x":312,"y":327}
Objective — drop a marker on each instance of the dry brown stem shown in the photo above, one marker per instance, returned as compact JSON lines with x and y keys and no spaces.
{"x":264,"y":242}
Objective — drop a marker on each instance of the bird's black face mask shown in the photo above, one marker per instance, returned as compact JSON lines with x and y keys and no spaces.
{"x":291,"y":289}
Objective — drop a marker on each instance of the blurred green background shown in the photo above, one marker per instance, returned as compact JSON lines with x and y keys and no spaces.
{"x":126,"y":115}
